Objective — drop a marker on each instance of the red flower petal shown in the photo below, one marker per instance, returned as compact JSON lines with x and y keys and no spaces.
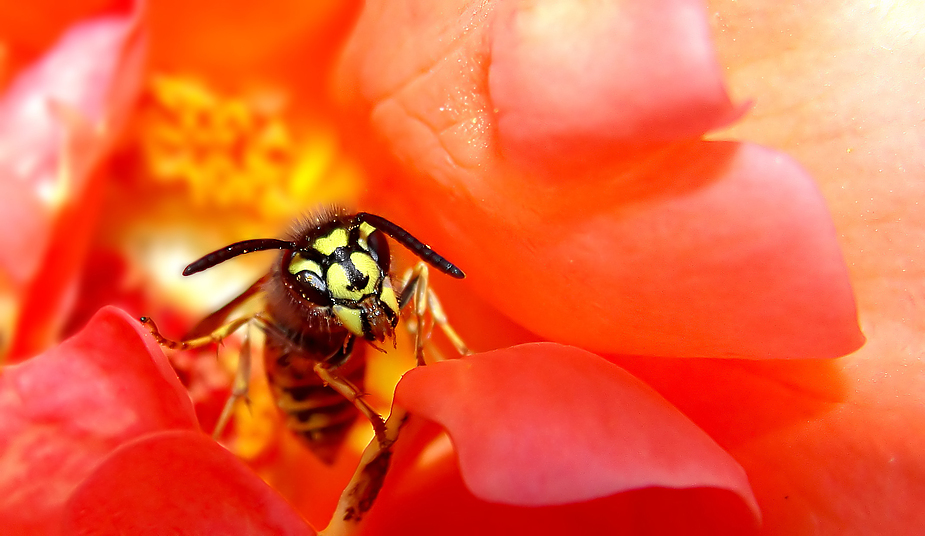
{"x":569,"y":78}
{"x":543,"y":424}
{"x":858,"y":468}
{"x":65,"y":410}
{"x":178,"y":483}
{"x":425,"y":494}
{"x":57,"y":120}
{"x":834,"y":444}
{"x":289,"y":44}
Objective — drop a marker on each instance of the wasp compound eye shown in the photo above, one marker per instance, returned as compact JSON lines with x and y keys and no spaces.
{"x":313,"y":287}
{"x":309,"y":277}
{"x":379,"y":247}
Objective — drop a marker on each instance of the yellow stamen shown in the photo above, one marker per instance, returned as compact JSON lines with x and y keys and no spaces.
{"x":239,"y":154}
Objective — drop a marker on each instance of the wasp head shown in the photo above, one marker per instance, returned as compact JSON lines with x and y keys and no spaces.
{"x":347,"y":269}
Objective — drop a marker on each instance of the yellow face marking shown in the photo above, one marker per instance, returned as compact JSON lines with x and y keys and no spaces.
{"x":327,"y":244}
{"x":300,"y":263}
{"x":350,"y":318}
{"x":338,"y":282}
{"x":368,"y":267}
{"x":388,"y":296}
{"x":366,"y":229}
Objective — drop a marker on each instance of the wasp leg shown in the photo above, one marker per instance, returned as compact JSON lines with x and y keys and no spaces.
{"x":416,"y":289}
{"x":242,"y":376}
{"x":439,"y":315}
{"x":351,"y":393}
{"x":218,"y":335}
{"x":416,"y":282}
{"x":240,"y":387}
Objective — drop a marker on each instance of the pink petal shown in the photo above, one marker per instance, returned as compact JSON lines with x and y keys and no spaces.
{"x":544,"y":424}
{"x":425,"y":494}
{"x":178,"y":483}
{"x":65,"y":410}
{"x":569,"y":78}
{"x":57,"y":121}
{"x":858,"y":468}
{"x":29,"y":28}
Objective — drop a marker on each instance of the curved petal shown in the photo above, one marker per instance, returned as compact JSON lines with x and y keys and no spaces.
{"x":425,"y":494}
{"x":696,"y":249}
{"x":65,"y":410}
{"x":57,"y":120}
{"x":571,"y":79}
{"x":858,"y":468}
{"x":834,"y":444}
{"x":289,"y":44}
{"x":734,"y":256}
{"x":544,"y":424}
{"x":743,"y":264}
{"x":178,"y":482}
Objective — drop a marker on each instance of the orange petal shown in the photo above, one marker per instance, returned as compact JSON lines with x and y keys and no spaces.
{"x":249,"y":45}
{"x":585,"y":79}
{"x":28,"y":28}
{"x":694,"y":249}
{"x":859,"y":467}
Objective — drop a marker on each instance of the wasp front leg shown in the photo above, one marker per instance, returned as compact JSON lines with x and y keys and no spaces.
{"x":416,"y":290}
{"x":216,"y":336}
{"x":242,"y":376}
{"x":349,"y":391}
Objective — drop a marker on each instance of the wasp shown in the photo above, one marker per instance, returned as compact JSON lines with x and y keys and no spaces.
{"x":331,"y":286}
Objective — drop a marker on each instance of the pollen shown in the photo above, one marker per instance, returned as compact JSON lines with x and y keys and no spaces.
{"x":233,"y":152}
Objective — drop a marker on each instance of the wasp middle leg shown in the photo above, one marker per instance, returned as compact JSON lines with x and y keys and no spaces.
{"x":416,"y":290}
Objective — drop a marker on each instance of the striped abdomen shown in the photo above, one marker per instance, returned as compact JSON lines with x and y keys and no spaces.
{"x":321,"y":416}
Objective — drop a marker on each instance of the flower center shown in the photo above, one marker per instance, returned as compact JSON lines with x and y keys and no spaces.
{"x":233,"y":152}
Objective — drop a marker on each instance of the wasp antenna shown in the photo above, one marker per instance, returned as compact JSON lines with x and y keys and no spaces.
{"x":233,"y":250}
{"x":417,"y":247}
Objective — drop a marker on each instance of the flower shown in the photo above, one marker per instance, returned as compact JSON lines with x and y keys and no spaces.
{"x":793,"y":425}
{"x":683,"y":284}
